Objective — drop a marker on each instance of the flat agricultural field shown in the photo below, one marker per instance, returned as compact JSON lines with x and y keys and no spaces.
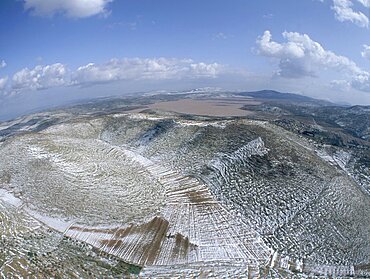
{"x":211,"y":107}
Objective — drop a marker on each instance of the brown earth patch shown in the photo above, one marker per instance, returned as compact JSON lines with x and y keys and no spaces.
{"x":212,"y":107}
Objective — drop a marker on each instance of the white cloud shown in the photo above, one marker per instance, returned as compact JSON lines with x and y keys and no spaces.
{"x":204,"y":70}
{"x":2,"y":64}
{"x":144,"y":69}
{"x":365,"y":3}
{"x":3,"y":82}
{"x":300,"y":56}
{"x":362,"y":82}
{"x":220,"y":36}
{"x":129,"y":69}
{"x":40,"y":77}
{"x":71,"y":8}
{"x":366,"y":52}
{"x":344,"y":12}
{"x":343,"y":85}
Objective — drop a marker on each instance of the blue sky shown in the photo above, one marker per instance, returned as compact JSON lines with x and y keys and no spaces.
{"x":56,"y":51}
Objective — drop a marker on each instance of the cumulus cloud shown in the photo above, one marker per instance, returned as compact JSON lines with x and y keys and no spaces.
{"x":361,"y":82}
{"x":2,"y":64}
{"x":300,"y":56}
{"x":144,"y":69}
{"x":71,"y":8}
{"x":40,"y":77}
{"x":344,"y":12}
{"x":366,"y":52}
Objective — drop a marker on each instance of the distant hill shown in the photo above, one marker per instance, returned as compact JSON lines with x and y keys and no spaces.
{"x":278,"y":96}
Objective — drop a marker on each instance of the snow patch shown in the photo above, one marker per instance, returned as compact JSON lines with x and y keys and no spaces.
{"x":9,"y":198}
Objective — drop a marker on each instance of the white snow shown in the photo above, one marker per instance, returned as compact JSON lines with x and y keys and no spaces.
{"x":9,"y":198}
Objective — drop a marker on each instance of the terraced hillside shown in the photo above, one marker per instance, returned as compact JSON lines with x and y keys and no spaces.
{"x":118,"y":192}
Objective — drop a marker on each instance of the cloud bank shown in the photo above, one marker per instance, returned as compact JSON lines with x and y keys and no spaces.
{"x":70,"y":8}
{"x":127,"y":69}
{"x":40,"y":77}
{"x":144,"y":69}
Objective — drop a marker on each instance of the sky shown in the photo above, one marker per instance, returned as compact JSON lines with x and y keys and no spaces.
{"x":53,"y":52}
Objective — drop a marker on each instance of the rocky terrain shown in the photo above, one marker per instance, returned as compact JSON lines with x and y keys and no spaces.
{"x":118,"y":188}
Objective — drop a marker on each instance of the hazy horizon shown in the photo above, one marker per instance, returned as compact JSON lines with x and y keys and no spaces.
{"x":55,"y":52}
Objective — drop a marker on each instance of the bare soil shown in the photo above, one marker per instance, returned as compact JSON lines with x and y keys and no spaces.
{"x":212,"y":107}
